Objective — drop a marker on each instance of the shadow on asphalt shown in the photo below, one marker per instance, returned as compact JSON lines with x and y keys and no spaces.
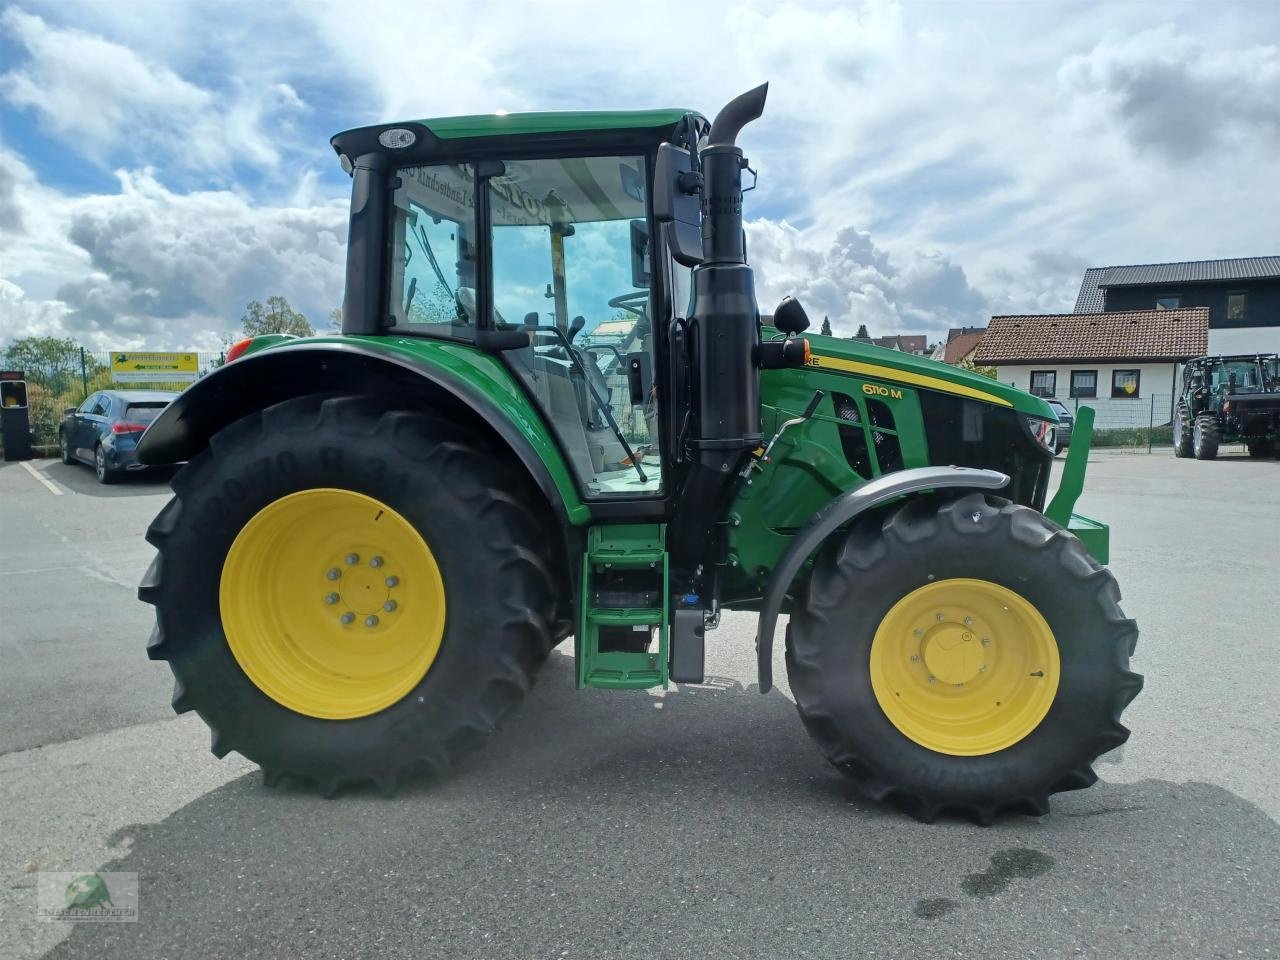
{"x":703,"y":824}
{"x":81,"y":479}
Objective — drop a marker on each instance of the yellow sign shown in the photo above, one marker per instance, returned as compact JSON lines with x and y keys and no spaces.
{"x":154,"y":367}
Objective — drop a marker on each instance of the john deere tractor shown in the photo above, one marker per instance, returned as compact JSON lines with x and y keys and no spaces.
{"x":556,"y":410}
{"x":1232,"y":399}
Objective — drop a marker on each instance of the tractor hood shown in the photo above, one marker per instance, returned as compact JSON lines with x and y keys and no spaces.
{"x":868,"y":360}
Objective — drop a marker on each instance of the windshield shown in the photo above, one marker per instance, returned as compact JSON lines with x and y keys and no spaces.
{"x":1237,"y":376}
{"x":571,"y":265}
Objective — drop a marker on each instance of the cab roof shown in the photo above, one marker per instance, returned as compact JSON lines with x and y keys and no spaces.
{"x":440,"y":133}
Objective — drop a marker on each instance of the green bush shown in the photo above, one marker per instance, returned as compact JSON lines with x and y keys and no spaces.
{"x":1133,"y":437}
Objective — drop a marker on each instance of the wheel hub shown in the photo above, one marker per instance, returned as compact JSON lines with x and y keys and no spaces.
{"x":332,"y":603}
{"x":964,"y":667}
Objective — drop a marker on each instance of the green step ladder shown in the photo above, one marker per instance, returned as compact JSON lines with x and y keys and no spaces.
{"x":623,"y":547}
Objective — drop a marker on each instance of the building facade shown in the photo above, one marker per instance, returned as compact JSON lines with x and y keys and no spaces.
{"x":1241,"y":295}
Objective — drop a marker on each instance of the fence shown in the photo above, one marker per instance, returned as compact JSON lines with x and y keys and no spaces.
{"x":61,"y":375}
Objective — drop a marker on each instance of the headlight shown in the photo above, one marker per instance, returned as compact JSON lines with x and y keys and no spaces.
{"x":1043,"y":432}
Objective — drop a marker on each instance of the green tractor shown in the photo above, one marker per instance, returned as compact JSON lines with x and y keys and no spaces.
{"x":554,"y":409}
{"x":1232,"y":399}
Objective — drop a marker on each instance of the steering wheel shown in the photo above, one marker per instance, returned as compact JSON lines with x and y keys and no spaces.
{"x":628,"y":301}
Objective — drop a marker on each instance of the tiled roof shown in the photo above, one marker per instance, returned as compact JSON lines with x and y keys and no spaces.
{"x":908,"y":343}
{"x":962,"y":344}
{"x":1132,"y":335}
{"x":1097,"y":279}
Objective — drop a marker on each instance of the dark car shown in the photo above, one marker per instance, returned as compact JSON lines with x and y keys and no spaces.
{"x":1066,"y":420}
{"x":104,"y":430}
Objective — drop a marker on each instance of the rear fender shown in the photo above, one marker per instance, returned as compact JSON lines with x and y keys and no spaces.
{"x":458,"y":381}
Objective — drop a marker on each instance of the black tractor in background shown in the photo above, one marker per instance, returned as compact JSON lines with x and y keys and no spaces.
{"x":1232,"y":399}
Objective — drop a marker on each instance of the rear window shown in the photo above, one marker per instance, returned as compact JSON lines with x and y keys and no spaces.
{"x":143,"y":412}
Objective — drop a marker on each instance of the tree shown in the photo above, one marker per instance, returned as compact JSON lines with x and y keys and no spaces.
{"x":826,"y":326}
{"x":276,"y":317}
{"x":862,"y":333}
{"x":335,"y":320}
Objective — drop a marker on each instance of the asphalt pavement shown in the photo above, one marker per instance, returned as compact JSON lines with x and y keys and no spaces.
{"x":603,"y":824}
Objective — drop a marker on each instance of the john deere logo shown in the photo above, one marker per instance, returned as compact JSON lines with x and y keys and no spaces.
{"x":88,"y":892}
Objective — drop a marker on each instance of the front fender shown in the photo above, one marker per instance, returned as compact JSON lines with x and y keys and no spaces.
{"x":465,"y":381}
{"x":836,"y":514}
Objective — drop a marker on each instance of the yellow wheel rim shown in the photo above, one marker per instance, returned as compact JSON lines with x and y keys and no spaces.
{"x":964,"y":667}
{"x":332,"y":603}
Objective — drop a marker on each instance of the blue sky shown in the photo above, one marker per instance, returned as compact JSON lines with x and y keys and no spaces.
{"x":921,"y":165}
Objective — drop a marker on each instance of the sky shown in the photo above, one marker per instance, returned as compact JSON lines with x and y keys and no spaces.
{"x":922,"y":165}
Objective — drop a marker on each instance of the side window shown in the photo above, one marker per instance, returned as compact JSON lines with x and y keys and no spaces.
{"x":884,"y":436}
{"x":433,"y":262}
{"x":570,"y":265}
{"x":101,"y":405}
{"x":87,"y":406}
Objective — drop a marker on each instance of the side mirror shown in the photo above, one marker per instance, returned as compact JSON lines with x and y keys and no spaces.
{"x":639,"y":253}
{"x":790,"y":318}
{"x":677,"y":203}
{"x":576,"y":326}
{"x":69,"y":411}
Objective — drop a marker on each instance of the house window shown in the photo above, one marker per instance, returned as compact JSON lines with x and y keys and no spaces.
{"x":1044,"y":383}
{"x":1172,"y":302}
{"x":1124,"y":384}
{"x":1084,"y":383}
{"x":1237,"y":306}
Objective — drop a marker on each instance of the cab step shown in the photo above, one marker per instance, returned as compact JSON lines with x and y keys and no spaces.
{"x":622,"y":635}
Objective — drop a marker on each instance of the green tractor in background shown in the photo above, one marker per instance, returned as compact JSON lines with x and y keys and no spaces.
{"x":554,"y":410}
{"x":1232,"y":399}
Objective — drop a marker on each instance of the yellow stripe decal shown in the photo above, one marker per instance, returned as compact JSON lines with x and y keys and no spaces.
{"x":904,"y":376}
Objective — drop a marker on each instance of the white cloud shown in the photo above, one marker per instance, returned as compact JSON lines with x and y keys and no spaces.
{"x":102,"y":99}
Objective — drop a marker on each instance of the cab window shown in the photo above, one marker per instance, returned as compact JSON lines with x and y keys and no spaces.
{"x":571,"y":265}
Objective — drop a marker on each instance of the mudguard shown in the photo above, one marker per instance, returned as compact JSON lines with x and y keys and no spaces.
{"x":836,"y":514}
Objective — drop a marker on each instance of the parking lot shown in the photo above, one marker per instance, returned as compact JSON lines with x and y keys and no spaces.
{"x":603,"y":824}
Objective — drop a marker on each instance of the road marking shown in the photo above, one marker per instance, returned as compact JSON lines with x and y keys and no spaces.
{"x":53,"y":487}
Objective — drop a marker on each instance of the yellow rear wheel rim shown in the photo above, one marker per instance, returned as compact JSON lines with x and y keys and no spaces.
{"x":332,"y":603}
{"x":964,"y":667}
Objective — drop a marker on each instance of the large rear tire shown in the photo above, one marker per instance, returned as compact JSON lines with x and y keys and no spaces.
{"x":1205,"y":437}
{"x":347,"y":592}
{"x":1182,"y":432}
{"x":964,"y":655}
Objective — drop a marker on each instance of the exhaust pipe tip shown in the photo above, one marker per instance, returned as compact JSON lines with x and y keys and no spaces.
{"x":735,"y":115}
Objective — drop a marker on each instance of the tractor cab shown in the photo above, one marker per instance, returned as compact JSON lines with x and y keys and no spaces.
{"x":532,"y":236}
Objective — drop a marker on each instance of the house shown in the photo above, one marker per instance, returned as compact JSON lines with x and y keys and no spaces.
{"x":916,"y":343}
{"x":1242,"y":296}
{"x":959,"y":345}
{"x":1127,"y":356}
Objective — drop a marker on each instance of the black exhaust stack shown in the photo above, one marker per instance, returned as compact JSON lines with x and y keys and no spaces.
{"x":724,"y":340}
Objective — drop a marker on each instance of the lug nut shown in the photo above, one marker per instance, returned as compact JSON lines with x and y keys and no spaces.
{"x":917,"y":632}
{"x":932,"y":679}
{"x":389,"y":606}
{"x":968,"y":621}
{"x":347,"y":617}
{"x":986,"y":641}
{"x":941,"y":617}
{"x":393,"y":581}
{"x":375,"y":562}
{"x":983,"y":668}
{"x":353,"y":559}
{"x":331,"y":599}
{"x":915,"y":658}
{"x":334,"y":573}
{"x":371,"y":621}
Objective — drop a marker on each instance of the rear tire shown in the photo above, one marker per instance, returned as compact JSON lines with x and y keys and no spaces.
{"x":1261,"y":448}
{"x":866,"y":576}
{"x":1205,"y":437}
{"x":1182,"y":431}
{"x":468,"y":508}
{"x":64,"y":449}
{"x":101,"y":469}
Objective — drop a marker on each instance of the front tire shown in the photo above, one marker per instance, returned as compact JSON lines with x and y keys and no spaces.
{"x":1182,"y":432}
{"x":315,"y":675}
{"x":1205,"y":437}
{"x":1260,"y":449}
{"x":892,"y":677}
